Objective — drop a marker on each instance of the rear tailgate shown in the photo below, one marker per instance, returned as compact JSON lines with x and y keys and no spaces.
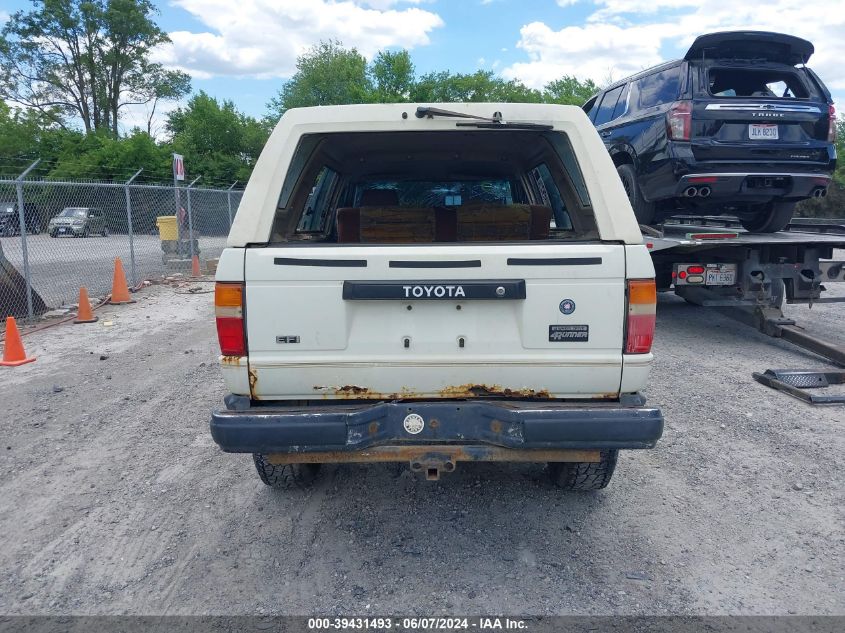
{"x":441,"y":327}
{"x":748,"y":129}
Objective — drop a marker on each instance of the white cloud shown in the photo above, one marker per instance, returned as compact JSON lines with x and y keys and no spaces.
{"x":566,"y":3}
{"x":592,"y":51}
{"x":623,"y":36}
{"x":262,"y":38}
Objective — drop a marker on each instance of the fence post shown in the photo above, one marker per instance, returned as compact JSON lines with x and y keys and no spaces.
{"x":24,"y":251}
{"x":190,"y":217}
{"x":229,"y":201}
{"x":129,"y":227}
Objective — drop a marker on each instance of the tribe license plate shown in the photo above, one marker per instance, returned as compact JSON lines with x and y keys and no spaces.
{"x":720,"y":275}
{"x":763,"y":131}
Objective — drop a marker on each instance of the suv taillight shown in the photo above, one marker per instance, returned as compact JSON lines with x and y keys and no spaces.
{"x":679,"y":121}
{"x":831,"y":130}
{"x":228,"y":308}
{"x":642,"y":310}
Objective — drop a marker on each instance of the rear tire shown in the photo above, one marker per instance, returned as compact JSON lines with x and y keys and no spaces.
{"x":285,"y":476}
{"x":584,"y":475}
{"x":642,"y":209}
{"x":771,"y":218}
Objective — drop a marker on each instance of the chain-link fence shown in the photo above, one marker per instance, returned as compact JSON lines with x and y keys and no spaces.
{"x":56,"y":236}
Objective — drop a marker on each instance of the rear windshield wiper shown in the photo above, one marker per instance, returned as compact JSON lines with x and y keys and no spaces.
{"x":428,"y":111}
{"x":494,"y":122}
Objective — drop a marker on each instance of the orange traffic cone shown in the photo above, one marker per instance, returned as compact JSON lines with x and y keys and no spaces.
{"x":119,"y":289}
{"x":13,"y":354}
{"x":84,"y":314}
{"x":195,"y":266}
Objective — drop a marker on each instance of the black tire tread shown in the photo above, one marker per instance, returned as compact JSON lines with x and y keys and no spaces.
{"x":645,"y":211}
{"x":773,"y":217}
{"x":584,"y":475}
{"x":285,"y":476}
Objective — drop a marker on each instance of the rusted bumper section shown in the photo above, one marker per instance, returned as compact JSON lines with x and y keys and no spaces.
{"x":507,"y":424}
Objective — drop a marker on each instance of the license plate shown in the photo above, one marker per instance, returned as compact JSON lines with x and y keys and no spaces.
{"x":763,"y":131}
{"x":62,"y":230}
{"x":720,"y":275}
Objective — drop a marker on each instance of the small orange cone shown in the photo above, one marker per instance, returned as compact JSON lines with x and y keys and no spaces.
{"x":84,"y":314}
{"x":13,"y":354}
{"x":119,"y":289}
{"x":195,"y":266}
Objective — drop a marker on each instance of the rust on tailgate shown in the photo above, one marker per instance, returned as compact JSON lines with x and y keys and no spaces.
{"x":471,"y":390}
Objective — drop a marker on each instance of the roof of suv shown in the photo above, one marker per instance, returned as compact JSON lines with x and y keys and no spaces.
{"x":777,"y":48}
{"x":252,"y":225}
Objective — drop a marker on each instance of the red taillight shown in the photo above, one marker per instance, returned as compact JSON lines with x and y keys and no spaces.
{"x":695,"y":270}
{"x":228,"y":308}
{"x":230,"y":334}
{"x":679,"y":121}
{"x":642,"y":307}
{"x":831,"y":130}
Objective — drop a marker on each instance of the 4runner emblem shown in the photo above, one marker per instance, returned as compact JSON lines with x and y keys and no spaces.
{"x":413,"y":423}
{"x":567,"y":306}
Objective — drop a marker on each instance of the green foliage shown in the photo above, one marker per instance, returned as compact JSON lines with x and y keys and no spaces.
{"x":217,"y":141}
{"x":569,"y":90}
{"x":392,"y":75}
{"x":479,"y":86}
{"x":85,"y":60}
{"x":327,"y":74}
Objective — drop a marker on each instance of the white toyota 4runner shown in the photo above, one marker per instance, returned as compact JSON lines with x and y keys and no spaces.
{"x":431,"y":285}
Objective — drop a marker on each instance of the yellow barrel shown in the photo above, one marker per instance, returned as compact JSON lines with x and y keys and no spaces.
{"x":167,"y":229}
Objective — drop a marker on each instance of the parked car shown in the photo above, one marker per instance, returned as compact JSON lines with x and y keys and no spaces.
{"x":10,"y":223}
{"x":739,"y":126}
{"x":78,"y":222}
{"x":433,"y":285}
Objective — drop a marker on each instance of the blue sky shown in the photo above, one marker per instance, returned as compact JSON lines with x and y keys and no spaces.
{"x":243,"y":50}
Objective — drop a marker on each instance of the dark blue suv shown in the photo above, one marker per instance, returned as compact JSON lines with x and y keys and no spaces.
{"x":740,"y":126}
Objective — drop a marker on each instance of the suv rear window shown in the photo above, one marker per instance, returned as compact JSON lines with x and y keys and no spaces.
{"x":747,"y":82}
{"x":417,"y":187}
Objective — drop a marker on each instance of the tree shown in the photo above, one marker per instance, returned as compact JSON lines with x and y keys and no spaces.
{"x":393,"y":76}
{"x":327,"y":74}
{"x":85,"y":60}
{"x":568,"y":90}
{"x":217,"y":141}
{"x":480,"y":86}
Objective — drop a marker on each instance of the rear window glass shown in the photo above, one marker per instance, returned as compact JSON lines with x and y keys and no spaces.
{"x":452,"y":193}
{"x":747,"y":82}
{"x":415,"y":187}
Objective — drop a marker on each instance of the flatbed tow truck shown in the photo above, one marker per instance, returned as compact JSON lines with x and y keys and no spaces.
{"x":713,"y":262}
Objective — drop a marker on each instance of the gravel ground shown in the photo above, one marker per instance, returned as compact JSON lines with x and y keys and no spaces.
{"x":114,"y":499}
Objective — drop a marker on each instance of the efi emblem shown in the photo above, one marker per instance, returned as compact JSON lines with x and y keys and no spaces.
{"x":567,"y":306}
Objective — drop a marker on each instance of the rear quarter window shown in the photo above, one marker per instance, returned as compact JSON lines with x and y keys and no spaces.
{"x":656,"y":89}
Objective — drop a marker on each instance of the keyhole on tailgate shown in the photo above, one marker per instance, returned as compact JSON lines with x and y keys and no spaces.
{"x":461,"y":341}
{"x":406,"y":342}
